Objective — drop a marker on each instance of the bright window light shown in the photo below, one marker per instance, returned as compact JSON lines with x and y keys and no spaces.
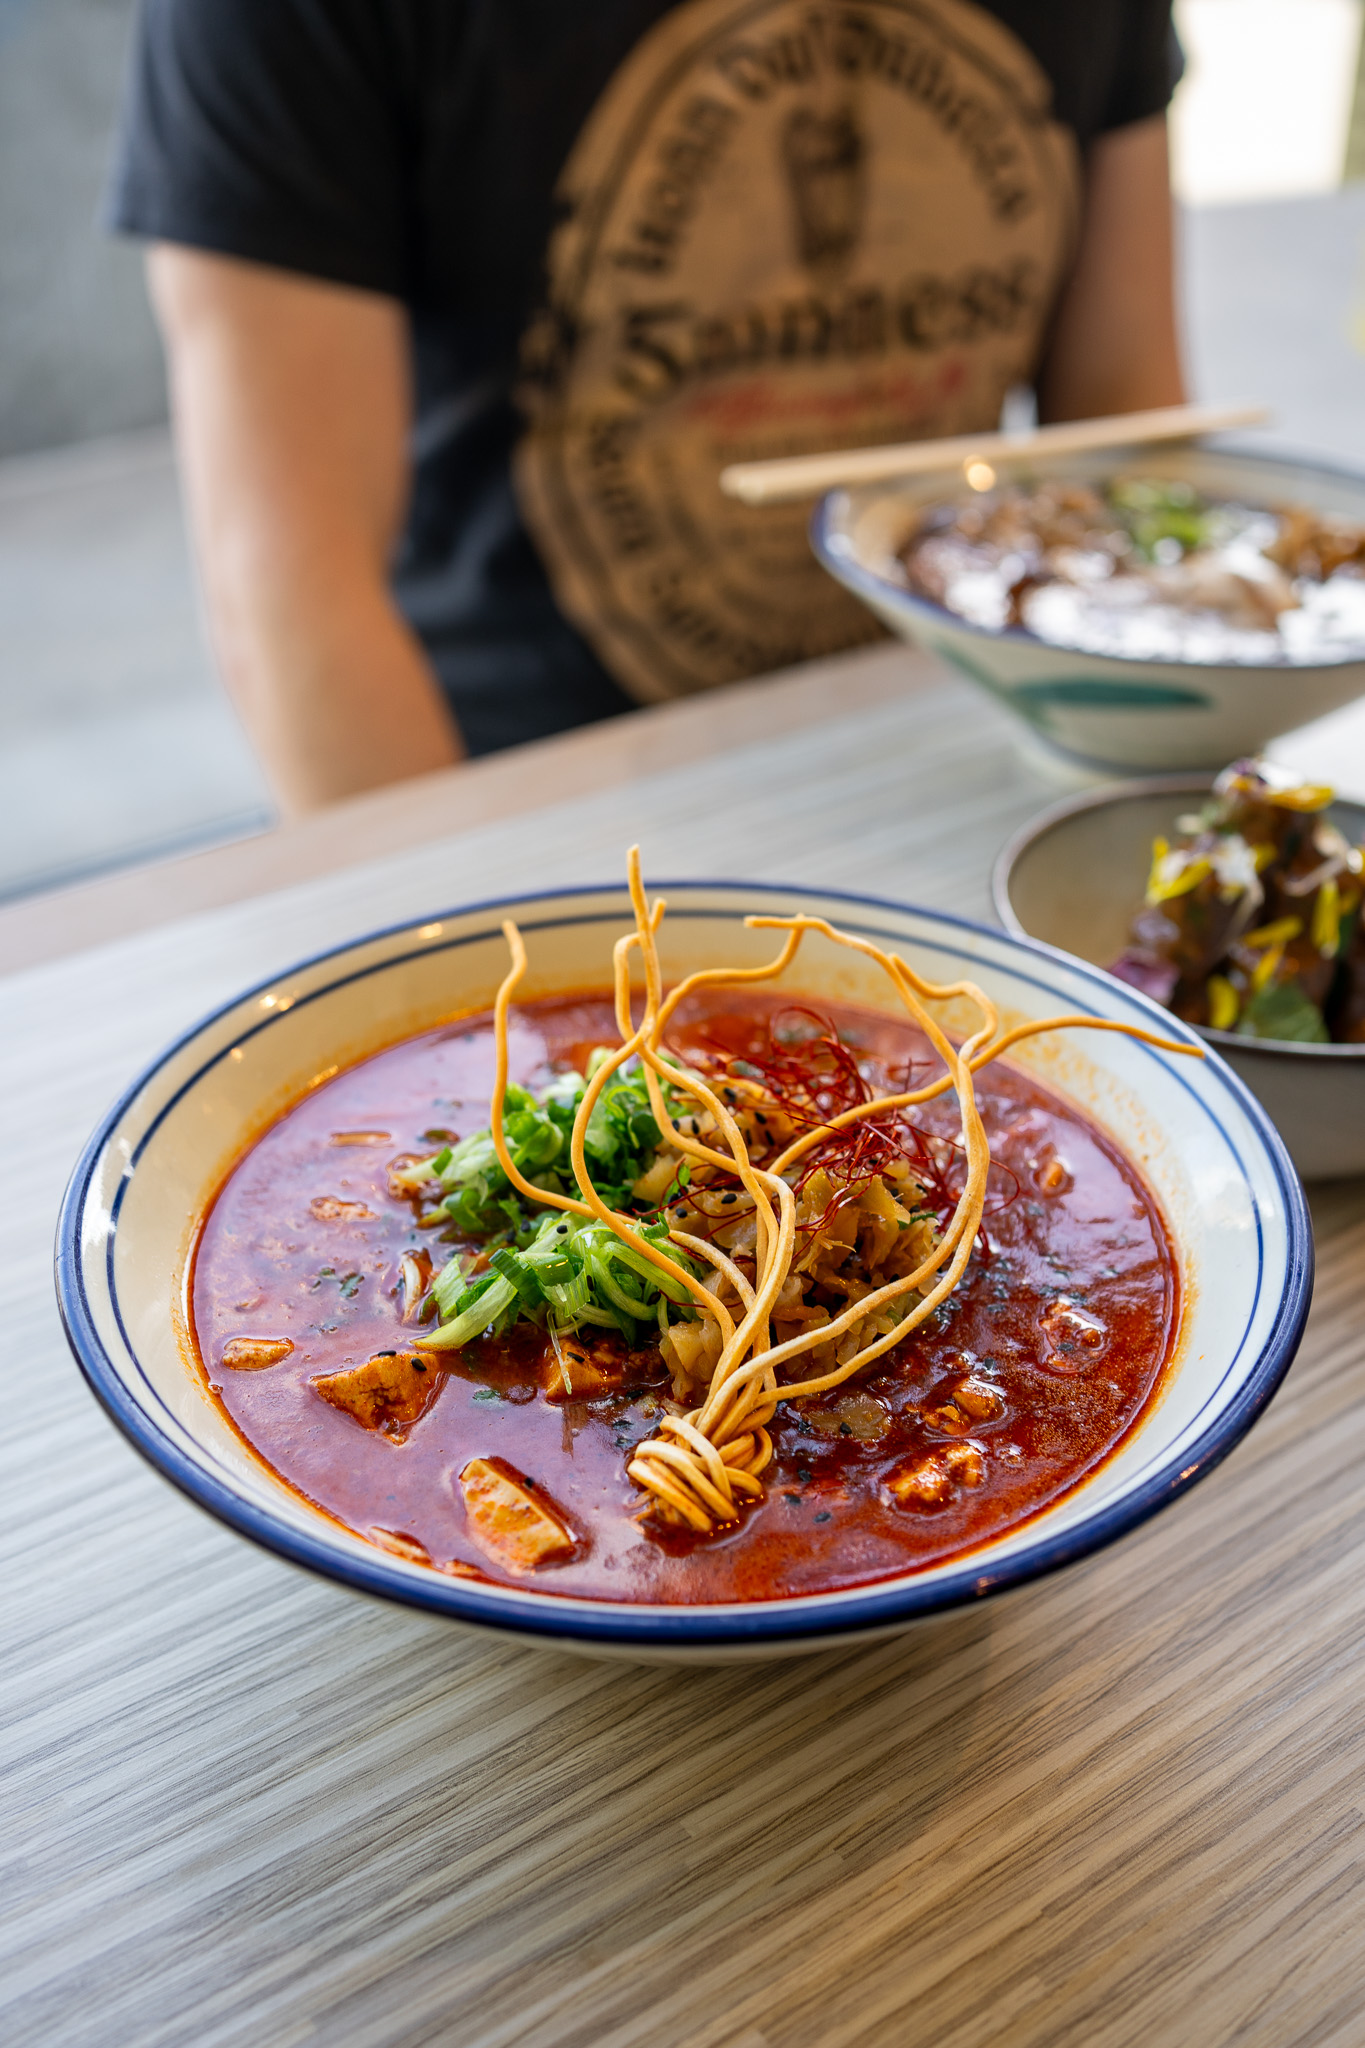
{"x":1265,"y":106}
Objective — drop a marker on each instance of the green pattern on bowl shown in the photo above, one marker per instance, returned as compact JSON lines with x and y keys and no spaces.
{"x":1093,"y":693}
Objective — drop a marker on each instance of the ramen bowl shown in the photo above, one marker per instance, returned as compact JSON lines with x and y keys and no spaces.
{"x":1102,"y":711}
{"x":1073,"y":878}
{"x":1232,"y":1203}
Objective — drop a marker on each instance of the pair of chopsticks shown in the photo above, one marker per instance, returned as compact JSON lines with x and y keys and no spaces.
{"x":805,"y":476}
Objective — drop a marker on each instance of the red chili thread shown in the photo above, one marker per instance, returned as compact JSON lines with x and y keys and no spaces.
{"x":816,"y":1078}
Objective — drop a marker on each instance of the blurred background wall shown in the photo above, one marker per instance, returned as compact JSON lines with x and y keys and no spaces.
{"x":78,"y":352}
{"x":1272,"y":109}
{"x":116,"y":740}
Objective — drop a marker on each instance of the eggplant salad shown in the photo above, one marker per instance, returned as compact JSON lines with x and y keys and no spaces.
{"x":1252,"y":918}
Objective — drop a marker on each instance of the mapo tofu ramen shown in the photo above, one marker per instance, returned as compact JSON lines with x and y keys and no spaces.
{"x":496,"y":1385}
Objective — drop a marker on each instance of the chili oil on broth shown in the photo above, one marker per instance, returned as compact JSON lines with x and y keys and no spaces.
{"x":1068,"y":1318}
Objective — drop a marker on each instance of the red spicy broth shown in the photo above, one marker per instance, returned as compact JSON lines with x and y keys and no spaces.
{"x":1069,"y":1311}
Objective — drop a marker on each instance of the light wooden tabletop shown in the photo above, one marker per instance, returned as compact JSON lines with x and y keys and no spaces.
{"x":1122,"y":1806}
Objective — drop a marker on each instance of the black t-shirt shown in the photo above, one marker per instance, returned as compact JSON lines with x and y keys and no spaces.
{"x":636,"y":242}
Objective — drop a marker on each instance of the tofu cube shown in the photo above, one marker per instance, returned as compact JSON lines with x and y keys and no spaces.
{"x":979,"y":1399}
{"x":512,"y":1522}
{"x":574,"y":1373}
{"x":920,"y":1483}
{"x":936,"y":1477}
{"x":399,"y":1544}
{"x":253,"y":1354}
{"x":388,"y":1392}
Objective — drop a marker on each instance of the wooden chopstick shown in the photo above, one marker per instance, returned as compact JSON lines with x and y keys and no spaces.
{"x":805,"y":476}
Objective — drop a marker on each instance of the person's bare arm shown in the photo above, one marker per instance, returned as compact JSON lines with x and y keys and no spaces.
{"x":1114,"y":346}
{"x":291,"y":402}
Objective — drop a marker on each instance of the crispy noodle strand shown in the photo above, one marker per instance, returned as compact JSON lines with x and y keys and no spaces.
{"x":700,"y":1468}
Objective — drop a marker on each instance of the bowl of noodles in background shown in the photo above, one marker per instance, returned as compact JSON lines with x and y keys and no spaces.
{"x":1150,"y":609}
{"x":1233,"y":1212}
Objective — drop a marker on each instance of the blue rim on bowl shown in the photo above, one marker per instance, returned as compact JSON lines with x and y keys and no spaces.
{"x":85,"y":1271}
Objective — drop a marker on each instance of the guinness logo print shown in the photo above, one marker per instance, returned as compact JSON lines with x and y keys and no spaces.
{"x":826,"y":162}
{"x":787,"y":226}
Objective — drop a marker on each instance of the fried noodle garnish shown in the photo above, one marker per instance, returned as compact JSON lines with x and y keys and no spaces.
{"x":704,"y":1463}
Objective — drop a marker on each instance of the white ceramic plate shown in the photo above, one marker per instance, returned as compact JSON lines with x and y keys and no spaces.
{"x":1230,"y":1195}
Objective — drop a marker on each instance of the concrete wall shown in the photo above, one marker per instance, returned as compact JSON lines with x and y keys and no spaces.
{"x":78,"y":352}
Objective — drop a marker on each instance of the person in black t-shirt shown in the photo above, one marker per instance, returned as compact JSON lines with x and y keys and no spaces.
{"x":468,"y":302}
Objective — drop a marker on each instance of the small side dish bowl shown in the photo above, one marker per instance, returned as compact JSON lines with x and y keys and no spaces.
{"x":1073,"y":878}
{"x":1231,"y":1200}
{"x":1103,"y":711}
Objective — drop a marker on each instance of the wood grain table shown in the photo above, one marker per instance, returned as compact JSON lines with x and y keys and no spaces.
{"x":246,"y":1810}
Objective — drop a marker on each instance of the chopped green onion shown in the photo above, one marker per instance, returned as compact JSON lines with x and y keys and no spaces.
{"x":568,"y":1298}
{"x":544,"y":1262}
{"x":488,"y":1305}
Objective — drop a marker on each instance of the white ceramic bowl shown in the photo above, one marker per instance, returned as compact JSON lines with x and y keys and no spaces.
{"x":1208,"y":1151}
{"x":1102,"y":711}
{"x":1073,"y":878}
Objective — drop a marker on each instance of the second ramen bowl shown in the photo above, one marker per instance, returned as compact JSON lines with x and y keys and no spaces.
{"x":1101,"y":711}
{"x":1231,"y":1198}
